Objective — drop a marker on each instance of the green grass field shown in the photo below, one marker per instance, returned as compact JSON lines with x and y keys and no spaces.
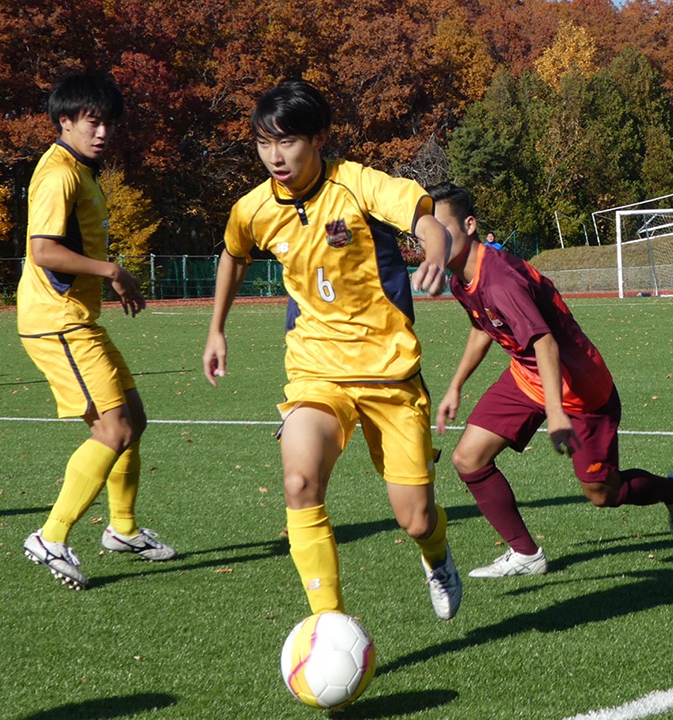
{"x":200,"y":637}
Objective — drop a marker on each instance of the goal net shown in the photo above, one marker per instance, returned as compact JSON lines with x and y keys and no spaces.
{"x":644,"y":252}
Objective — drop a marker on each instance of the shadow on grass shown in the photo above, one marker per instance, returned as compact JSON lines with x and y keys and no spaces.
{"x":350,"y":533}
{"x":112,"y":707}
{"x":23,"y":382}
{"x":276,"y":548}
{"x":399,"y":704}
{"x":24,"y":511}
{"x":650,"y":590}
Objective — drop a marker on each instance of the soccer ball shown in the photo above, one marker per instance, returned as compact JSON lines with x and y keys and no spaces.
{"x":328,"y":660}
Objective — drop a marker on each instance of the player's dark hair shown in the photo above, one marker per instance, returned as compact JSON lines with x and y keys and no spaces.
{"x":294,"y":107}
{"x":459,"y":198}
{"x":93,"y":93}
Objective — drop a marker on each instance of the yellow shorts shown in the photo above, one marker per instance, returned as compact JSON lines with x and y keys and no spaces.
{"x":395,"y":419}
{"x":83,"y":367}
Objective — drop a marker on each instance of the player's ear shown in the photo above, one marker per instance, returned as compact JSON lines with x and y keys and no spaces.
{"x":470,"y":225}
{"x":319,"y":139}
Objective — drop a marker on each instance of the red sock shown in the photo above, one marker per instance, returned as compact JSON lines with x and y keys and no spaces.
{"x":496,"y":501}
{"x":640,"y":487}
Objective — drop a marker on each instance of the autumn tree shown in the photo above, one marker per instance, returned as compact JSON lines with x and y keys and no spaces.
{"x":132,"y":220}
{"x":573,"y":49}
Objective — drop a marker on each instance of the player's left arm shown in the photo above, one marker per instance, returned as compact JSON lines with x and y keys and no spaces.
{"x":560,"y":428}
{"x":436,"y":241}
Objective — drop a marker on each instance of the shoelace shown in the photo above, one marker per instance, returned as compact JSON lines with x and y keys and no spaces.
{"x":150,"y":537}
{"x":442,"y":577}
{"x":66,"y":553}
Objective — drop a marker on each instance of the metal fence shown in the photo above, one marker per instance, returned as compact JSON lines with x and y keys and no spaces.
{"x":166,"y":277}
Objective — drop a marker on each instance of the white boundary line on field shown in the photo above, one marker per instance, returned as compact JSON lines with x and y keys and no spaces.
{"x":652,"y":433}
{"x":654,"y":703}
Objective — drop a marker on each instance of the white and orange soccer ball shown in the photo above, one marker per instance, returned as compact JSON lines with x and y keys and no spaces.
{"x":328,"y":660}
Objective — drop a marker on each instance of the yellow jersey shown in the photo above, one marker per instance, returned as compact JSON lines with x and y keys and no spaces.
{"x":350,"y":313}
{"x":66,"y":204}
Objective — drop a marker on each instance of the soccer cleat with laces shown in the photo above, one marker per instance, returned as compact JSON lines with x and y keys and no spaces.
{"x":513,"y":563}
{"x":144,"y":544}
{"x":446,"y":588}
{"x":58,"y":558}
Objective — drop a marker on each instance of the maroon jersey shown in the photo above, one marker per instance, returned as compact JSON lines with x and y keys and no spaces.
{"x":515,"y":305}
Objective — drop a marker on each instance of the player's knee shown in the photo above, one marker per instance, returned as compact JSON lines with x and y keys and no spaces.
{"x":117,"y":435}
{"x":416,"y":524}
{"x":299,"y":489}
{"x":600,"y":495}
{"x":464,"y":462}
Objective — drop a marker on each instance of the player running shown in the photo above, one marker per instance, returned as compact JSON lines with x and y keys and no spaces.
{"x":59,"y":301}
{"x":352,"y":355}
{"x":555,"y":373}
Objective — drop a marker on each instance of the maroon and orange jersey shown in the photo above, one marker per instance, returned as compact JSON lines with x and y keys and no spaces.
{"x":516,"y":305}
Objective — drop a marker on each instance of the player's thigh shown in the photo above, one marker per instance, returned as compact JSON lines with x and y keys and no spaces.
{"x":85,"y":371}
{"x":597,"y":458}
{"x":506,"y":416}
{"x":396,"y":423}
{"x":310,"y":446}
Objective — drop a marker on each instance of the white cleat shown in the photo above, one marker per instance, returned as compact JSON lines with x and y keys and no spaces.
{"x":144,"y":544}
{"x":58,"y":558}
{"x":446,"y":588}
{"x":513,"y":563}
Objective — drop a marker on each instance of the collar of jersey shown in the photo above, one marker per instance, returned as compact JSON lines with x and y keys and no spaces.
{"x":471,"y":287}
{"x":95,"y":167}
{"x":313,"y":189}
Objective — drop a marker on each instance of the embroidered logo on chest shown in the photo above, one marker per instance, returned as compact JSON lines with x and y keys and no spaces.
{"x":338,"y":235}
{"x":495,"y":321}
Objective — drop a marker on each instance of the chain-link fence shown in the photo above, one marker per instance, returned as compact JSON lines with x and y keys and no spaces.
{"x":167,"y":277}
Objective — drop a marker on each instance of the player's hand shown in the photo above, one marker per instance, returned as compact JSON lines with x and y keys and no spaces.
{"x":448,"y":409}
{"x":429,"y":277}
{"x":214,"y":357}
{"x":562,"y":436}
{"x":126,"y":287}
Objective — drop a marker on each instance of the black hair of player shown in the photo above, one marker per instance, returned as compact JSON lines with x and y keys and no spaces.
{"x":293,"y":107}
{"x":84,"y":93}
{"x":459,"y":198}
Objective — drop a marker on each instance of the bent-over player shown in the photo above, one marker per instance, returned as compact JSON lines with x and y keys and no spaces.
{"x":555,"y":373}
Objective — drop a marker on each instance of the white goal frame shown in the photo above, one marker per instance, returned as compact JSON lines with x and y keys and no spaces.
{"x":646,"y":234}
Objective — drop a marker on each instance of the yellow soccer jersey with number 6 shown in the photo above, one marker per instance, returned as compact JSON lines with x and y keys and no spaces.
{"x":350,"y":313}
{"x":66,"y":204}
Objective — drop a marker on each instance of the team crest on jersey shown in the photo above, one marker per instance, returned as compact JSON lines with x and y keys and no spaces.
{"x":495,"y":321}
{"x":338,"y":235}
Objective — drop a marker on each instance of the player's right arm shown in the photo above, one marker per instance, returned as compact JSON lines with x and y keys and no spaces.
{"x":478,"y":343}
{"x":51,"y":255}
{"x":231,"y":272}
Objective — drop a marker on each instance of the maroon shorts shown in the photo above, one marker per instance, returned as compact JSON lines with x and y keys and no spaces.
{"x":507,"y":411}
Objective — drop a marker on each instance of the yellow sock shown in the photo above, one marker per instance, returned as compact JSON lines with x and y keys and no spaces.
{"x":434,"y":547}
{"x":85,"y":475}
{"x":314,"y":552}
{"x":122,"y":490}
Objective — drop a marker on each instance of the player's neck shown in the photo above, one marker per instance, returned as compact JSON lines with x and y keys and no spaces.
{"x":463,"y":264}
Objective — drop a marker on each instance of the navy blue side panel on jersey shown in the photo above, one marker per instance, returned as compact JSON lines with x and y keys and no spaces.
{"x":392,"y":268}
{"x":60,"y":281}
{"x":293,"y":312}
